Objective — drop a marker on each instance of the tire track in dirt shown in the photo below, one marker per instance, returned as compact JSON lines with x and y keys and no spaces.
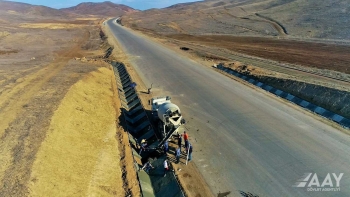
{"x":239,"y":26}
{"x":276,"y":25}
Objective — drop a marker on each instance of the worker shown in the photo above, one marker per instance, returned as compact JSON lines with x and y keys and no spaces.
{"x":149,"y":89}
{"x":179,"y":141}
{"x":143,"y":146}
{"x":178,"y":154}
{"x":166,"y":167}
{"x":166,"y":147}
{"x":147,"y":167}
{"x":186,"y":140}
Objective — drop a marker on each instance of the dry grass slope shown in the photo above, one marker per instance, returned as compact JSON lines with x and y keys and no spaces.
{"x":80,"y":153}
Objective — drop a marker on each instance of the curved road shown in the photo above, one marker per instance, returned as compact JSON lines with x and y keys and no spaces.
{"x":244,"y":140}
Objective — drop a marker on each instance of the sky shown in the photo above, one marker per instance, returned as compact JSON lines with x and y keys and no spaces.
{"x":137,"y":4}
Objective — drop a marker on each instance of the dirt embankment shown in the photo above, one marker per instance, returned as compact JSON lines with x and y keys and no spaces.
{"x":80,"y":155}
{"x":58,"y":127}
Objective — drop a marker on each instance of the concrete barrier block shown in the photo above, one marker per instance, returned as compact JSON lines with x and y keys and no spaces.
{"x":127,"y":94}
{"x":278,"y":92}
{"x":311,"y":107}
{"x":337,"y":118}
{"x":259,"y":84}
{"x":290,"y":97}
{"x":345,"y":123}
{"x":131,"y":97}
{"x":251,"y":81}
{"x":319,"y":110}
{"x":304,"y":103}
{"x":297,"y":100}
{"x":134,"y":103}
{"x":147,"y":135}
{"x":267,"y":87}
{"x":283,"y":95}
{"x":134,"y":110}
{"x":273,"y":90}
{"x":328,"y":114}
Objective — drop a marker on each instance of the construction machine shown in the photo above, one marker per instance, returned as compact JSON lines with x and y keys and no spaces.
{"x":167,"y":116}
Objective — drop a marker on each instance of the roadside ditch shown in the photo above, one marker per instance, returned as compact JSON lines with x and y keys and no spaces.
{"x":135,"y":121}
{"x":320,"y":100}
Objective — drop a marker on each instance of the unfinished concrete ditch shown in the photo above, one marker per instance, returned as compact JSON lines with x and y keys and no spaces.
{"x":331,"y":99}
{"x":139,"y":127}
{"x":326,"y":102}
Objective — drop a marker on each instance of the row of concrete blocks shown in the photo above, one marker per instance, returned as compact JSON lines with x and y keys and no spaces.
{"x":345,"y":122}
{"x":138,"y":127}
{"x":136,"y":120}
{"x":138,"y":124}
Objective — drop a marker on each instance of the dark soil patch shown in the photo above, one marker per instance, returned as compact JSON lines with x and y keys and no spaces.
{"x":319,"y":55}
{"x":8,"y":52}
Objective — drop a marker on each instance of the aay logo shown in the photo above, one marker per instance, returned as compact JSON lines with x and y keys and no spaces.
{"x":312,"y":183}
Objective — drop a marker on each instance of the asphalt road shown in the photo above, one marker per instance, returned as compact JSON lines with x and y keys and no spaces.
{"x":244,"y":140}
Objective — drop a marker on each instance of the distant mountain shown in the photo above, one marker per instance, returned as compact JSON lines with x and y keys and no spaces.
{"x":294,"y":18}
{"x":28,"y":9}
{"x":106,"y":8}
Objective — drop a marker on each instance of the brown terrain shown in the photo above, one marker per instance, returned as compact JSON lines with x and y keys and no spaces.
{"x":59,"y":110}
{"x":58,"y":107}
{"x":297,"y":46}
{"x":291,"y":18}
{"x":228,"y":25}
{"x":106,"y":8}
{"x":318,"y":55}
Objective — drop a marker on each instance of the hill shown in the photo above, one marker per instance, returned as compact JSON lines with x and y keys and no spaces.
{"x":106,"y":8}
{"x":293,"y":18}
{"x":16,"y":8}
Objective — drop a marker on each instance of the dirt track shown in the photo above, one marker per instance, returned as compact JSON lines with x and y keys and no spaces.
{"x":323,"y":56}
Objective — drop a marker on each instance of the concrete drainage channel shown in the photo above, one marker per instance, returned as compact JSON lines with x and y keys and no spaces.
{"x":344,"y":122}
{"x":139,"y":127}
